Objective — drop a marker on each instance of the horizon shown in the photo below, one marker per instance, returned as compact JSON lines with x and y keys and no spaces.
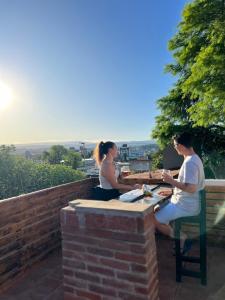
{"x":83,"y":69}
{"x":77,"y":141}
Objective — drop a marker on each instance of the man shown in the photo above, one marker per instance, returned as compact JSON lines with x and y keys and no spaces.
{"x":185,"y":199}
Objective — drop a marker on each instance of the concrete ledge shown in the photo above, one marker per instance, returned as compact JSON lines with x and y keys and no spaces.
{"x":110,"y":206}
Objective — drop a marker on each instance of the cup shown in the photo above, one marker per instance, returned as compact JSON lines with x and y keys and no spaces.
{"x":165,"y":171}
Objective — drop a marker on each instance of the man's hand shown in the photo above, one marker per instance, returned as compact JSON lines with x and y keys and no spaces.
{"x":156,"y":208}
{"x":167,"y":178}
{"x":165,"y":193}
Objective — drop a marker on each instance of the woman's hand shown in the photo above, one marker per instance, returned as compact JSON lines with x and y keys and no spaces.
{"x":137,"y":186}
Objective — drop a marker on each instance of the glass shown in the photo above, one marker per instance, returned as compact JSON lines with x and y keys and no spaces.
{"x":165,"y":171}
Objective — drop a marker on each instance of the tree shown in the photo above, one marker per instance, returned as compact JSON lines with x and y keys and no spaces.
{"x":19,"y":175}
{"x":55,"y":154}
{"x":196,"y":102}
{"x":72,"y":159}
{"x":199,"y":52}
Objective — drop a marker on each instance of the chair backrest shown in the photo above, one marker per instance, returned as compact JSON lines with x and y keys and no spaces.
{"x":202,"y":201}
{"x":203,"y":209}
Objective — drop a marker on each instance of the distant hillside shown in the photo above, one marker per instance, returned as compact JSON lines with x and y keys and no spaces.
{"x":40,"y":147}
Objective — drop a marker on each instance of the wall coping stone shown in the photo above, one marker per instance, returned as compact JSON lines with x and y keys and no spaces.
{"x":116,"y":206}
{"x":215,"y":182}
{"x":46,"y":191}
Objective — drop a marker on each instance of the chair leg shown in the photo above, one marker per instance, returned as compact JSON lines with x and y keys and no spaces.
{"x":203,"y":257}
{"x":177,"y":250}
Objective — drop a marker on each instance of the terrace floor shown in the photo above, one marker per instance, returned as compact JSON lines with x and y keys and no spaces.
{"x":44,"y":280}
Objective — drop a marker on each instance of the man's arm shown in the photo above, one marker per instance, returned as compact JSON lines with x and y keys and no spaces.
{"x":186,"y":187}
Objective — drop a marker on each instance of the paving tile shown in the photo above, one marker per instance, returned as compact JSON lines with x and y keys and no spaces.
{"x":44,"y":280}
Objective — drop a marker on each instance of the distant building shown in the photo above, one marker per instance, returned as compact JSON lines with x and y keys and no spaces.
{"x":124,"y":152}
{"x":89,"y":167}
{"x":28,"y":154}
{"x":140,"y":165}
{"x":136,"y":152}
{"x":83,"y":150}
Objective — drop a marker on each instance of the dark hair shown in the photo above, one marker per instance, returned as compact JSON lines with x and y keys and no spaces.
{"x":102,"y":149}
{"x":184,"y":139}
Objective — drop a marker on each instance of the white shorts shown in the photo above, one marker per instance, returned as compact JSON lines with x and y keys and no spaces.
{"x":170,"y":212}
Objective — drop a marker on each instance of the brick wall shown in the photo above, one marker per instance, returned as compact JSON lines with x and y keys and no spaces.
{"x":215,"y":214}
{"x":30,"y":225}
{"x":109,"y":252}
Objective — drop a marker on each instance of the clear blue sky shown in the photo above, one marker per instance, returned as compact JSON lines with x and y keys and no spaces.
{"x":84,"y":69}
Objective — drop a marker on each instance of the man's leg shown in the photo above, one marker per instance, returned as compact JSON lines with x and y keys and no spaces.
{"x":168,"y":230}
{"x":163,"y":228}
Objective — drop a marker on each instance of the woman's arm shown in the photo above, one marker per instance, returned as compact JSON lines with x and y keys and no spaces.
{"x":108,"y":171}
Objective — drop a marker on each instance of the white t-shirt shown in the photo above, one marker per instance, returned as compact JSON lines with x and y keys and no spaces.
{"x":192,"y":172}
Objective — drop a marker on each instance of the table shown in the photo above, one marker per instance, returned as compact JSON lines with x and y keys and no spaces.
{"x":154,"y":199}
{"x":144,"y":178}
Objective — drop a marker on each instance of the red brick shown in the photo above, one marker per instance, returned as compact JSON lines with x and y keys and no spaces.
{"x":67,"y":272}
{"x":87,"y":276}
{"x":101,"y":271}
{"x":72,"y":219}
{"x":120,"y":223}
{"x":102,"y":290}
{"x":118,"y":284}
{"x":72,"y":255}
{"x":88,"y":295}
{"x":68,"y":289}
{"x":73,"y":247}
{"x":72,"y":230}
{"x":115,"y":264}
{"x":131,"y":258}
{"x":84,"y":239}
{"x":72,"y":282}
{"x":91,"y":258}
{"x":132,"y":277}
{"x":144,"y":224}
{"x":129,"y":237}
{"x":68,"y":296}
{"x":74,"y":264}
{"x":111,"y":244}
{"x":99,"y":251}
{"x":137,"y":248}
{"x":139,"y":268}
{"x":141,"y":290}
{"x":98,"y":233}
{"x":127,"y":296}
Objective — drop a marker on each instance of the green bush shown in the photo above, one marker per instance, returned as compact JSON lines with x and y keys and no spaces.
{"x":19,"y":175}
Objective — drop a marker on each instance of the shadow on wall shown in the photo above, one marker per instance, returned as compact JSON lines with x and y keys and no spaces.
{"x":171,"y":160}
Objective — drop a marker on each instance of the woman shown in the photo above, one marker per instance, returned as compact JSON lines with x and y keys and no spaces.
{"x":104,"y":155}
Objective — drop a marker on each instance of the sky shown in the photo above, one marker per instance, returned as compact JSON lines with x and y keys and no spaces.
{"x":85,"y":70}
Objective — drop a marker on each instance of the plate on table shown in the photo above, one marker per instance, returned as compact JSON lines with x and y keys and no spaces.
{"x":151,"y":200}
{"x":131,"y":195}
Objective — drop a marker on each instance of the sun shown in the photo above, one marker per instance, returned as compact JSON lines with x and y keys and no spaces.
{"x":6,"y":95}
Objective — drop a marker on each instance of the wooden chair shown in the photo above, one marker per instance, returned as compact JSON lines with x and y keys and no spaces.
{"x":202,"y":259}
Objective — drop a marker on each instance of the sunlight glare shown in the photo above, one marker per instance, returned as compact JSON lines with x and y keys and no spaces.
{"x":5,"y":95}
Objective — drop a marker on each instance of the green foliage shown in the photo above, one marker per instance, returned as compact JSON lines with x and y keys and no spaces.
{"x":19,"y":176}
{"x":156,"y":160}
{"x":59,"y":154}
{"x":199,"y":52}
{"x":55,"y":154}
{"x":72,"y":159}
{"x":197,"y":101}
